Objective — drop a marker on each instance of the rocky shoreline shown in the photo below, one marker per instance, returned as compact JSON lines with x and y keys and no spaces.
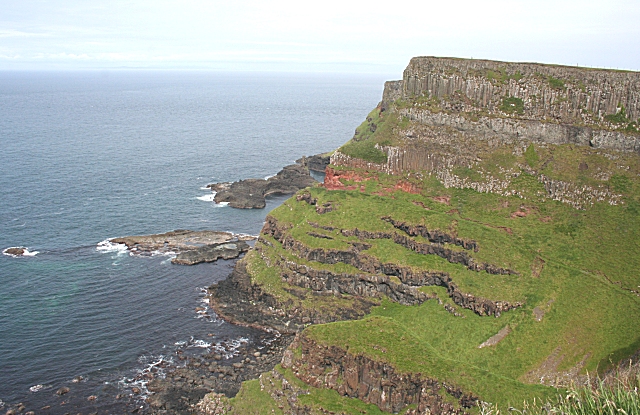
{"x":182,"y":387}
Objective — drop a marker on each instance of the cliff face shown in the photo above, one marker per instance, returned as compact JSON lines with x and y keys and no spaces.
{"x":450,"y":113}
{"x":372,"y":381}
{"x":524,"y":101}
{"x":567,"y":94}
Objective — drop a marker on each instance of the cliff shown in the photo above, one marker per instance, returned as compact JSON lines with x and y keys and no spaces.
{"x":475,"y":242}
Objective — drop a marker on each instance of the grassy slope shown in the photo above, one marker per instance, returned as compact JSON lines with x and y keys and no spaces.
{"x":585,"y":313}
{"x":591,"y":262}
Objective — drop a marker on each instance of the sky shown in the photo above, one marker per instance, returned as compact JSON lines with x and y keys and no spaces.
{"x":313,"y":36}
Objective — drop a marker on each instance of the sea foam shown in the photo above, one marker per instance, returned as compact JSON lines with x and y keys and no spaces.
{"x":36,"y":388}
{"x":108,"y":246}
{"x":207,"y":198}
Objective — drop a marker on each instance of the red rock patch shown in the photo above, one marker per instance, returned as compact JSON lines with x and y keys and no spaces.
{"x":522,"y":212}
{"x":332,"y":179}
{"x":407,"y":187}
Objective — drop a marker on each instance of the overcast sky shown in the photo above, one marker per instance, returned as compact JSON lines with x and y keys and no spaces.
{"x":320,"y":35}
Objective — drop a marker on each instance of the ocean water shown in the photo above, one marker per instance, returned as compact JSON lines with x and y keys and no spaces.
{"x":86,"y":156}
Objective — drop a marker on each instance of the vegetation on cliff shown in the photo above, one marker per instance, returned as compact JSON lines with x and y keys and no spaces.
{"x":438,"y":269}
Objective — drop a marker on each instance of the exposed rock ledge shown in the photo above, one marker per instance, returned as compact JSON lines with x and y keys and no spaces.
{"x":376,"y":382}
{"x":191,"y":247}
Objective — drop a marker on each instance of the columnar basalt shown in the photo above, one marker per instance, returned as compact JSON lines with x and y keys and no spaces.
{"x":372,"y":381}
{"x":570,"y":95}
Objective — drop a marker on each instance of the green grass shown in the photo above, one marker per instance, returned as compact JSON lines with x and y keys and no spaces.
{"x":620,"y":117}
{"x":600,"y":400}
{"x":364,"y":150}
{"x":512,"y":105}
{"x":501,"y":76}
{"x":379,"y":128}
{"x":531,"y":156}
{"x":408,"y":353}
{"x":251,"y":400}
{"x":556,"y":83}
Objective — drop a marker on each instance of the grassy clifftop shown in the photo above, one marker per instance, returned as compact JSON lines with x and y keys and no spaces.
{"x":467,"y":270}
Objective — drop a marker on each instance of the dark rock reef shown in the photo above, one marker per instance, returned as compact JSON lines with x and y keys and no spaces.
{"x":251,"y":193}
{"x":182,"y":387}
{"x":14,"y":251}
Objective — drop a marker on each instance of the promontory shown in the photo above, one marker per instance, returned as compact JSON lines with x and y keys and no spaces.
{"x":476,"y":242}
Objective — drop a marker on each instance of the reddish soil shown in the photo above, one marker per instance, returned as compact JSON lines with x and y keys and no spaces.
{"x":407,"y":187}
{"x":332,"y":179}
{"x":522,"y":212}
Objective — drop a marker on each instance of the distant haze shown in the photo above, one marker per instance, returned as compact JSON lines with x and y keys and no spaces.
{"x":313,"y":36}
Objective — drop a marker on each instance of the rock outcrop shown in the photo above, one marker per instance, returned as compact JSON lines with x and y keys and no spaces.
{"x":455,"y":112}
{"x":251,"y":193}
{"x":372,"y":381}
{"x":240,"y":301}
{"x":190,"y":247}
{"x":317,"y":162}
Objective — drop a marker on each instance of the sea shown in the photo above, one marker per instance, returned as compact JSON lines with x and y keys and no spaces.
{"x":90,"y":155}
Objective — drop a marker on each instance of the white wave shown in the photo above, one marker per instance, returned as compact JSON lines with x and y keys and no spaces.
{"x":207,"y":198}
{"x":200,"y":343}
{"x":245,"y":235}
{"x":205,"y":188}
{"x":221,"y":204}
{"x":36,"y":388}
{"x":154,"y":366}
{"x":171,"y":254}
{"x":108,"y":246}
{"x":230,"y":348}
{"x":25,"y":253}
{"x":270,"y":176}
{"x":135,"y":252}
